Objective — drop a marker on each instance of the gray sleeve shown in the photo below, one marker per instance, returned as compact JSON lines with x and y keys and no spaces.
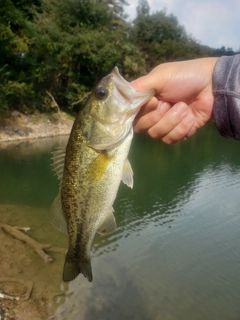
{"x":226,"y":89}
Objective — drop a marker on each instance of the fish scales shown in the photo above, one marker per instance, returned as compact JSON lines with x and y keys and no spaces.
{"x":92,"y":168}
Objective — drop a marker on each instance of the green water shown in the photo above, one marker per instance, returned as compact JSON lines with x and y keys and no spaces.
{"x":176,"y":252}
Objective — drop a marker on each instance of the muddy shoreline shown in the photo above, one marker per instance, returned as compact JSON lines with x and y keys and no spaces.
{"x":17,"y":260}
{"x":20,"y":262}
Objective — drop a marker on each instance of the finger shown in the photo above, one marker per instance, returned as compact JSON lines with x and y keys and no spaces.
{"x":151,"y":118}
{"x":169,"y":120}
{"x":143,"y":83}
{"x":150,"y":105}
{"x":182,"y":131}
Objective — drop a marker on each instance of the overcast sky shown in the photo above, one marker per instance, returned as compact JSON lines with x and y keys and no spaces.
{"x":215,"y":23}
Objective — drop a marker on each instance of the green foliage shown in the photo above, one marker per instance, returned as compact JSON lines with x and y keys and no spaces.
{"x":162,"y":39}
{"x":71,"y":52}
{"x":61,"y":48}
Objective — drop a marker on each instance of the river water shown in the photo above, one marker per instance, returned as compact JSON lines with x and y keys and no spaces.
{"x":176,"y":252}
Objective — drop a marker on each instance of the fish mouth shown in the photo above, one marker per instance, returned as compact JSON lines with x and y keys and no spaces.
{"x":129,"y":103}
{"x":129,"y":94}
{"x":123,"y":86}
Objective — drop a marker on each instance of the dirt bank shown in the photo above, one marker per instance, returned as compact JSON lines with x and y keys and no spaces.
{"x":19,"y":261}
{"x":20,"y":127}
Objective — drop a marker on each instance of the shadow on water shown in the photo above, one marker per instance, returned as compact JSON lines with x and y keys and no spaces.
{"x":175,"y":253}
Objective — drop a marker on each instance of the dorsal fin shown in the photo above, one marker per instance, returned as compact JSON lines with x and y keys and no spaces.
{"x":58,"y":161}
{"x":57,"y":216}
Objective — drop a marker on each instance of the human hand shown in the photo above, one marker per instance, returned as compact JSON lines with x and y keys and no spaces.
{"x":183,"y":102}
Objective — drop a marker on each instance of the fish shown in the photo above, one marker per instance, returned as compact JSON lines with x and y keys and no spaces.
{"x":91,"y":168}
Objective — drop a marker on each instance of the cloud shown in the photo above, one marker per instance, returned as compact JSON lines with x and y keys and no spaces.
{"x":215,"y":23}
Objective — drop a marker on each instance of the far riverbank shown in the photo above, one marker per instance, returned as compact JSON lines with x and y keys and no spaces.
{"x":21,"y":127}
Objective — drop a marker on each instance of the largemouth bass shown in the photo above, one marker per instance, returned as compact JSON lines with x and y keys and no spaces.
{"x":92,"y":167}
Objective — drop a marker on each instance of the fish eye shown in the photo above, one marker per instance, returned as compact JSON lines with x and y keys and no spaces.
{"x":101,"y":93}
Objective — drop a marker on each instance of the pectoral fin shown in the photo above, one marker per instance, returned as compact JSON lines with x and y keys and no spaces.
{"x":127,"y":177}
{"x":109,"y":224}
{"x":57,"y":217}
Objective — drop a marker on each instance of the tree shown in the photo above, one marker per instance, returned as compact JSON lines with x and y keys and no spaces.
{"x":70,"y":52}
{"x":59,"y":49}
{"x":13,"y":89}
{"x":161,"y":38}
{"x":143,"y":8}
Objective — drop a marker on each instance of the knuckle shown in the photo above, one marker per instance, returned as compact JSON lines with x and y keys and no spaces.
{"x":168,"y":140}
{"x":154,"y":134}
{"x":181,"y":130}
{"x":152,"y":118}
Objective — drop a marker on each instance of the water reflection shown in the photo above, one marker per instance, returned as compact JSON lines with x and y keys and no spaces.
{"x":175,"y":254}
{"x":26,"y":172}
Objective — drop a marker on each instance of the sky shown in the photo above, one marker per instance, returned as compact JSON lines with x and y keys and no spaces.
{"x":214,"y":23}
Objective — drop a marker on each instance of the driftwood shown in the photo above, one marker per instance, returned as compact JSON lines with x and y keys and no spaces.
{"x":39,"y":248}
{"x":27,"y":284}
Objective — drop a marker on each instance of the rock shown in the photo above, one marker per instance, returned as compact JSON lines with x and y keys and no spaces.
{"x":20,"y":132}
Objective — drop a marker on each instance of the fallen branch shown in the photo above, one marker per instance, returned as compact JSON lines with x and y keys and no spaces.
{"x":54,"y":102}
{"x":38,"y":247}
{"x":85,"y":96}
{"x":26,"y":283}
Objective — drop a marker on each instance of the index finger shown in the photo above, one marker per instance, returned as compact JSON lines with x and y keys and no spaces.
{"x":149,"y":106}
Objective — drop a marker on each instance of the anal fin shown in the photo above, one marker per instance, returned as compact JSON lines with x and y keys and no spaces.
{"x":109,"y":224}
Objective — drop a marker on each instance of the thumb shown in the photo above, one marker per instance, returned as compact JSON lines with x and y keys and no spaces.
{"x":143,"y":83}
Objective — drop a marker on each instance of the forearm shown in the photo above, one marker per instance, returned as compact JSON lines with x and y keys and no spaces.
{"x":226,"y":89}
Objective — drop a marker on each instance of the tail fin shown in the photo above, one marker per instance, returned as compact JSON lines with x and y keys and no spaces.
{"x":72,"y":268}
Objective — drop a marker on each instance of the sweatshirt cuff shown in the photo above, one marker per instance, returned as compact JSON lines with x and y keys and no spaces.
{"x":226,"y":89}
